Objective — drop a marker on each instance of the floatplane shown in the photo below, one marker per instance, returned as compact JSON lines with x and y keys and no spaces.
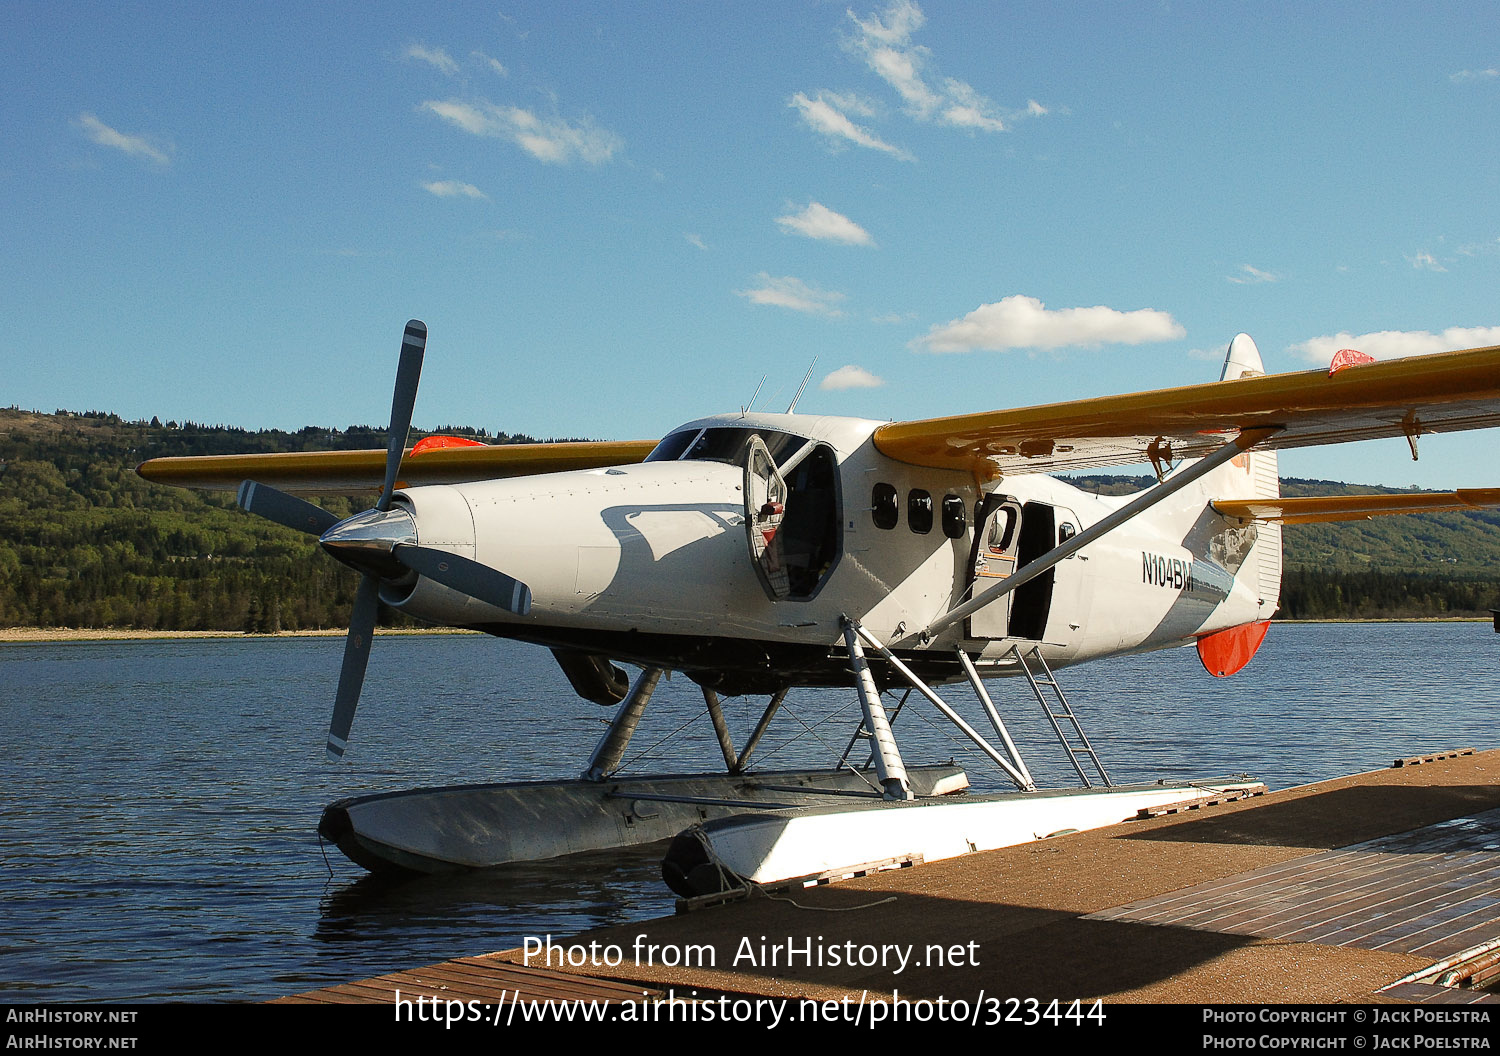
{"x":757,"y":552}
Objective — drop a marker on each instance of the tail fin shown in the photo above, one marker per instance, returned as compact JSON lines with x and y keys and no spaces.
{"x":1258,"y":479}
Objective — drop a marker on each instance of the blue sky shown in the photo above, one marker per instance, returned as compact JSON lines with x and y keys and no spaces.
{"x":616,"y":216}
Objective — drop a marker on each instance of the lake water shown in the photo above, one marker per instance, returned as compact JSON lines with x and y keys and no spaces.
{"x":160,"y":799}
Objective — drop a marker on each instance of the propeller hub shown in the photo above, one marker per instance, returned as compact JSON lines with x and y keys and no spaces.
{"x":367,"y":541}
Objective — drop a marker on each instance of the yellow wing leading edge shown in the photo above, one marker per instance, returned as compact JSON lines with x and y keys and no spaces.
{"x":362,"y":472}
{"x":1447,"y":392}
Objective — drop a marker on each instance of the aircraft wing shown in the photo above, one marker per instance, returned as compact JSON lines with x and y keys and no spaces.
{"x":1447,"y":392}
{"x":362,"y":472}
{"x":1313,"y":508}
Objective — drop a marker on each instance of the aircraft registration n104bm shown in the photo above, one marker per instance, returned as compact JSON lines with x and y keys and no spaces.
{"x":754,"y":552}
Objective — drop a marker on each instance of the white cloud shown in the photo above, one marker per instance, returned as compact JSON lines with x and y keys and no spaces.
{"x":1477,"y":249}
{"x":1393,"y":344}
{"x":966,"y":108}
{"x":820,"y":222}
{"x":1425,"y":261}
{"x":884,"y":41}
{"x":1475,"y":75}
{"x":137,"y":146}
{"x":885,"y":44}
{"x":494,"y":64}
{"x":1250,"y":275}
{"x":695,"y":240}
{"x":1025,"y":322}
{"x":454,"y":189}
{"x":902,"y":19}
{"x":437,"y":58}
{"x":788,"y":292}
{"x":828,"y":115}
{"x":850,"y":377}
{"x":553,"y":140}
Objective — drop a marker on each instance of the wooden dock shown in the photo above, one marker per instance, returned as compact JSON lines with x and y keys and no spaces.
{"x":492,"y":980}
{"x":1343,"y":891}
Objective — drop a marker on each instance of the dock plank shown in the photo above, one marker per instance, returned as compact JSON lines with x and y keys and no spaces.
{"x":486,"y":979}
{"x":1435,"y":890}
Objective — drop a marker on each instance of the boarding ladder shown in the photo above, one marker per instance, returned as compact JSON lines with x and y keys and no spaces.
{"x":1075,"y":744}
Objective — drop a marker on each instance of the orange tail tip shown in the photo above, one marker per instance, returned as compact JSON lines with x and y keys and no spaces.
{"x":437,"y":443}
{"x":1224,"y":652}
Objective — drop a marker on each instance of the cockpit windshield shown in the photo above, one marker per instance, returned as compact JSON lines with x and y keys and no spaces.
{"x":722,"y":444}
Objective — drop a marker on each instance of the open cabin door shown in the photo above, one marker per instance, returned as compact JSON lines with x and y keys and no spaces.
{"x":997,"y":540}
{"x":765,"y":508}
{"x":1010,"y":536}
{"x":1033,"y":599}
{"x":792,"y":517}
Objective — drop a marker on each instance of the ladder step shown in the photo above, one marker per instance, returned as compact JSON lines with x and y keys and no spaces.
{"x":1076,"y":744}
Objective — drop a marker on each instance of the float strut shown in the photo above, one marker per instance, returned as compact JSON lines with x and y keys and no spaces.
{"x":888,"y":767}
{"x":611,"y":747}
{"x":760,"y":729}
{"x":721,"y":730}
{"x":1021,"y":776}
{"x":1022,"y":781}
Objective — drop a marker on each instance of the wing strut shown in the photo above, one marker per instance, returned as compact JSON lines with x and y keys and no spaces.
{"x":1232,"y":449}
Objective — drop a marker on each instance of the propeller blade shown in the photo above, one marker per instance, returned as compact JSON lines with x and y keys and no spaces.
{"x":467,"y":577}
{"x":265,"y":501}
{"x":356,"y":656}
{"x":413,"y":344}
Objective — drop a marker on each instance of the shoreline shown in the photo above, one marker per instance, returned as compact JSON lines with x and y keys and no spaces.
{"x":106,"y":634}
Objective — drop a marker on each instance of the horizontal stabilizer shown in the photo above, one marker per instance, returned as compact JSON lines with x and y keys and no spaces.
{"x":1314,"y":508}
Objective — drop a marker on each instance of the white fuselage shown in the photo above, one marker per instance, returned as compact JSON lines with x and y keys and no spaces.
{"x":652,"y":563}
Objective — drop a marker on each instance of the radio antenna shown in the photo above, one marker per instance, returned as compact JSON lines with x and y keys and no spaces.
{"x":756,"y":393}
{"x":797,"y":397}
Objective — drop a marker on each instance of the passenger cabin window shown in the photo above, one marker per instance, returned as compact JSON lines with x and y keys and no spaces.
{"x":919,"y":511}
{"x":1002,"y":530}
{"x":954,"y":518}
{"x":883,"y":506}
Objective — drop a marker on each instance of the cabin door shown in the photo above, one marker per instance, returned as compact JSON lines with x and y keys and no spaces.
{"x":997,"y":540}
{"x":1033,"y":599}
{"x":765,"y":508}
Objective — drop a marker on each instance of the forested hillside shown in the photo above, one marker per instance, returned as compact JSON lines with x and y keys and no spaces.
{"x":84,"y":542}
{"x":1415,"y":566}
